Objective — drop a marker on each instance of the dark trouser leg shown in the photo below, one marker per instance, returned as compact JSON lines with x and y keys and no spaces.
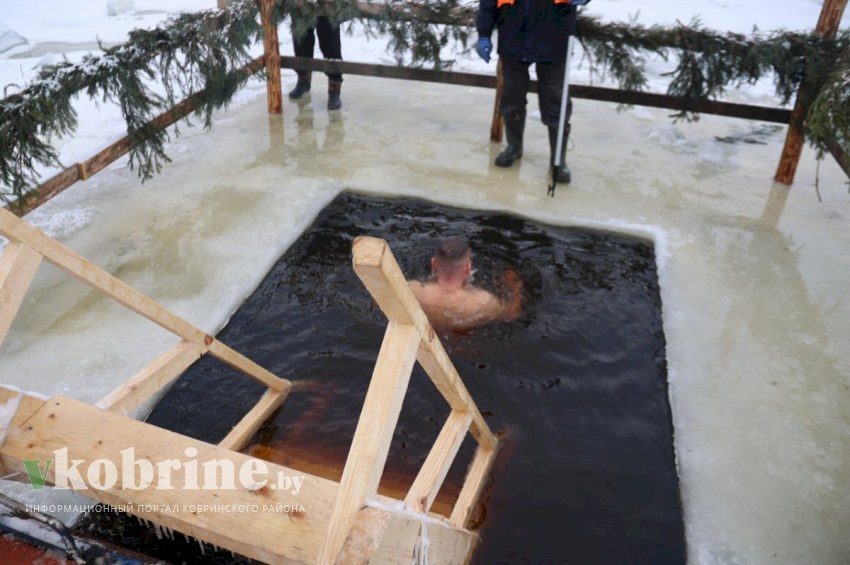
{"x":512,"y":107}
{"x":329,"y":42}
{"x":303,"y":47}
{"x":331,"y":46}
{"x":550,"y":84}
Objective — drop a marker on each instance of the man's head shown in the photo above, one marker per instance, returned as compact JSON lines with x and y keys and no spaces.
{"x":452,"y":260}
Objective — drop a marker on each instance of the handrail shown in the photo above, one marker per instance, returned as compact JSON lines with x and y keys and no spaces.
{"x":409,"y":337}
{"x":18,"y":265}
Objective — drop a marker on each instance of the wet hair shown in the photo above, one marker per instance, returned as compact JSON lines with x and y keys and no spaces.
{"x":451,"y":253}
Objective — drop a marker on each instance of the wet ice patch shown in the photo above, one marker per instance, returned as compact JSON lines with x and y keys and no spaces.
{"x":60,"y":224}
{"x":668,"y":135}
{"x":715,"y":154}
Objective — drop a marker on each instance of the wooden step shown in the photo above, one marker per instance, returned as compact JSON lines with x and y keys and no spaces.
{"x":293,"y":533}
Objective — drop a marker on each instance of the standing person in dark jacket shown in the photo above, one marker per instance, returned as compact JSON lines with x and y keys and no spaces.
{"x":331,"y":46}
{"x":530,"y":31}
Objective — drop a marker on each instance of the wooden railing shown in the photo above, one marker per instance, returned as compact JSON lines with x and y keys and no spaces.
{"x":409,"y":337}
{"x":392,"y":528}
{"x":18,"y":265}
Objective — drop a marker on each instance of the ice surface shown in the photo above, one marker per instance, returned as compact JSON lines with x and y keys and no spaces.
{"x":752,"y":274}
{"x":9,"y":38}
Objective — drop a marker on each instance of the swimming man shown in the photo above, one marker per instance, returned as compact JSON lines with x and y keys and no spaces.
{"x":451,"y":302}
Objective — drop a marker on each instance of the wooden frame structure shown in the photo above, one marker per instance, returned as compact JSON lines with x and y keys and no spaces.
{"x":327,"y":522}
{"x":272,"y":61}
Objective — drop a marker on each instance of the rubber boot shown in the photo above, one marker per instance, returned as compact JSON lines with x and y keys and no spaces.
{"x":302,"y":87}
{"x":562,"y":172}
{"x":334,"y":88}
{"x":514,"y":128}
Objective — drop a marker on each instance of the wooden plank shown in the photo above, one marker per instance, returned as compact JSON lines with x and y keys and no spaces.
{"x":377,"y":529}
{"x":443,"y":374}
{"x":827,"y":27}
{"x":16,"y":407}
{"x":271,"y":50}
{"x":45,"y":191}
{"x":95,"y":277}
{"x":602,"y":94}
{"x":247,"y":427}
{"x":379,"y":272}
{"x":153,"y":378}
{"x":91,"y":434}
{"x":433,"y":472}
{"x":476,"y":478}
{"x":27,"y":405}
{"x":445,"y":545}
{"x":92,"y":275}
{"x":365,"y":537}
{"x":18,"y":266}
{"x":238,"y":361}
{"x":375,"y":428}
{"x":286,"y":535}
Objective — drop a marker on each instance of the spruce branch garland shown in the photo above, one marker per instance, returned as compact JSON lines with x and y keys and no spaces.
{"x":198,"y":52}
{"x":189,"y":53}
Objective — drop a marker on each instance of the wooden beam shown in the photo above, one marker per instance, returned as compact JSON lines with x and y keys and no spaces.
{"x":248,"y":425}
{"x":153,"y":378}
{"x":258,"y":530}
{"x":628,"y":97}
{"x":238,"y":361}
{"x":445,"y":544}
{"x":98,"y":279}
{"x":433,"y":472}
{"x":445,"y":377}
{"x":371,"y":442}
{"x":827,"y":27}
{"x":273,"y":525}
{"x":496,"y":123}
{"x":17,"y":408}
{"x":90,"y":274}
{"x":18,"y":266}
{"x":476,"y":478}
{"x":271,"y":50}
{"x":378,"y":270}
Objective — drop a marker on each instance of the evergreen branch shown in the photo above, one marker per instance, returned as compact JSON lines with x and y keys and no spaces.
{"x":189,"y":52}
{"x":197,"y":52}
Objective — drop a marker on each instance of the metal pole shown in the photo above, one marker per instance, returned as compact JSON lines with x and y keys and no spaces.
{"x":560,"y":140}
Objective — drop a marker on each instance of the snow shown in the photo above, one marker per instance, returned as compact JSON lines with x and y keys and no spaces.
{"x":753,"y":275}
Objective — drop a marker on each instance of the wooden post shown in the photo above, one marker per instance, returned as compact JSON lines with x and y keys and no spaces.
{"x":271,"y":48}
{"x":827,"y":27}
{"x":223,"y":3}
{"x":371,"y":442}
{"x":18,"y":265}
{"x":496,"y":124}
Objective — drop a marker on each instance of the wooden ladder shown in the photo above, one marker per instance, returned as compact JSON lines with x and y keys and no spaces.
{"x":325,"y":522}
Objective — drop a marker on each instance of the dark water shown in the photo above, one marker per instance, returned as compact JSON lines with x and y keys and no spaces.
{"x":576,"y":387}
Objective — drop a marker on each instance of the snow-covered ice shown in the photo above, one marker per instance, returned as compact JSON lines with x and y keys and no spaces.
{"x":753,"y":274}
